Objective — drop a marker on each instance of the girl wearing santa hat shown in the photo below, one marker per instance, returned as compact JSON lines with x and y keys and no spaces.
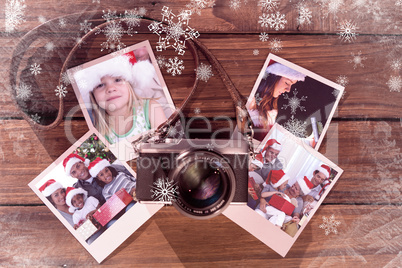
{"x":111,"y":87}
{"x":263,"y":107}
{"x":113,"y":181}
{"x":81,"y":205}
{"x":56,"y":194}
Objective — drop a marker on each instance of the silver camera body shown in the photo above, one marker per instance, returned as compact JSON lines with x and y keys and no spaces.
{"x":206,"y":175}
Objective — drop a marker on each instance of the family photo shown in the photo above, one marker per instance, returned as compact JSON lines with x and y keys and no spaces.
{"x":123,"y":93}
{"x":90,"y":188}
{"x":286,"y":182}
{"x":297,"y":99}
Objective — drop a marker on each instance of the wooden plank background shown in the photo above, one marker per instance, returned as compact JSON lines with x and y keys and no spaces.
{"x":364,"y":137}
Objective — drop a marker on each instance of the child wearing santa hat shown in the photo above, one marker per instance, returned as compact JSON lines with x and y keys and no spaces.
{"x":81,"y":205}
{"x":113,"y":180}
{"x":118,"y":112}
{"x":263,"y":107}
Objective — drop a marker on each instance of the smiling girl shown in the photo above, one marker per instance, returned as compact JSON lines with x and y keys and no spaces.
{"x":117,"y":111}
{"x":263,"y":107}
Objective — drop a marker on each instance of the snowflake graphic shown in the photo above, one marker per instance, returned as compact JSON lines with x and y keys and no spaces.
{"x":197,"y":5}
{"x":24,"y":92}
{"x":197,"y":110}
{"x":234,"y":4}
{"x":329,"y":224}
{"x":114,"y":31}
{"x":277,"y":21}
{"x":164,"y":190}
{"x":35,"y":118}
{"x":78,"y":41}
{"x":264,"y":20}
{"x":268,"y":5}
{"x":65,"y":79}
{"x":173,"y":30}
{"x":49,"y":46}
{"x":395,"y":83}
{"x":347,"y":31}
{"x":14,"y":14}
{"x":330,"y":6}
{"x":275,"y":45}
{"x":174,"y":66}
{"x":85,"y":26}
{"x":35,"y":69}
{"x":62,"y":23}
{"x":42,"y":19}
{"x":132,"y":17}
{"x":161,"y":60}
{"x":109,"y":15}
{"x":61,"y":91}
{"x":210,"y":147}
{"x":296,"y":127}
{"x":357,"y":60}
{"x":342,"y":80}
{"x":256,"y":52}
{"x":294,"y":102}
{"x":304,"y":15}
{"x":204,"y":72}
{"x":263,"y":37}
{"x":396,"y":64}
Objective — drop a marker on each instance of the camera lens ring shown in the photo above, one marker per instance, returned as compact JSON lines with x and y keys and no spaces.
{"x":218,"y":175}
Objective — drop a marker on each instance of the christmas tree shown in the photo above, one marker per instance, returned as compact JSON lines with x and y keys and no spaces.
{"x":93,"y":148}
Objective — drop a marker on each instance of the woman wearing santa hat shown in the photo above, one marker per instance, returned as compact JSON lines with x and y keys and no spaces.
{"x":113,"y":88}
{"x":263,"y":107}
{"x":56,"y":194}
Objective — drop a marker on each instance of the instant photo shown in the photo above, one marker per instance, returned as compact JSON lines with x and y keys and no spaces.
{"x":287,"y":182}
{"x":122,"y":95}
{"x":297,"y":99}
{"x":93,"y":194}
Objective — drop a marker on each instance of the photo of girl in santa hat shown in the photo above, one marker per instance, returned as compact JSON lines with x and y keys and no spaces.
{"x":123,"y":95}
{"x":263,"y":106}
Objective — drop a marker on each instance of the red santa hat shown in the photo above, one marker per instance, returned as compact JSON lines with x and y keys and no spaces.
{"x":277,"y":178}
{"x":138,"y":73}
{"x":72,"y":159}
{"x":282,"y":70}
{"x":70,"y":193}
{"x":305,"y":185}
{"x":258,"y":161}
{"x":49,"y":187}
{"x":324,"y":169}
{"x":272,"y":143}
{"x":97,"y":166}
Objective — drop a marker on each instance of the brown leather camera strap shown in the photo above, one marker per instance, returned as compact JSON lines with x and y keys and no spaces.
{"x":242,"y":117}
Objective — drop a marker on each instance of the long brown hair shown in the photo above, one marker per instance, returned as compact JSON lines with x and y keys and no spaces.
{"x":265,"y":91}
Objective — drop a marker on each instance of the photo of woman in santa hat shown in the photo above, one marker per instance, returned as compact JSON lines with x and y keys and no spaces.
{"x":123,"y":95}
{"x":263,"y":107}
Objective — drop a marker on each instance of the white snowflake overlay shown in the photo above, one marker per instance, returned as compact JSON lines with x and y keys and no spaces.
{"x":357,"y":60}
{"x":114,"y":31}
{"x":61,"y":91}
{"x":268,"y":5}
{"x":347,"y":31}
{"x":305,"y":15}
{"x":264,"y":37}
{"x":329,"y":224}
{"x":24,"y":92}
{"x":342,"y":80}
{"x":173,"y":31}
{"x":395,"y":83}
{"x":330,"y":6}
{"x":161,"y":61}
{"x":35,"y":69}
{"x":235,"y":4}
{"x":35,"y":118}
{"x":256,"y":52}
{"x":396,"y":64}
{"x":164,"y":190}
{"x":296,"y":127}
{"x":174,"y":66}
{"x":197,"y":5}
{"x":197,"y":110}
{"x":14,"y":12}
{"x":294,"y":102}
{"x":85,"y":26}
{"x":204,"y":72}
{"x":275,"y":45}
{"x":277,"y":21}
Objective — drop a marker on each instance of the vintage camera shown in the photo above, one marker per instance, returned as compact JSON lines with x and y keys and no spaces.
{"x":207,"y":175}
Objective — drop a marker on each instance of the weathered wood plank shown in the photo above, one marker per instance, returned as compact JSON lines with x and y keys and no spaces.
{"x":367,"y":93}
{"x":369,"y":153}
{"x":218,"y":241}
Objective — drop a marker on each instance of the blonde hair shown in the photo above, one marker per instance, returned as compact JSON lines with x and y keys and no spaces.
{"x":102,"y":118}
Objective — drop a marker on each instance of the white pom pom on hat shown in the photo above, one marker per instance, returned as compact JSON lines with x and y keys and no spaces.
{"x":50,"y":187}
{"x":282,"y":70}
{"x":97,"y":165}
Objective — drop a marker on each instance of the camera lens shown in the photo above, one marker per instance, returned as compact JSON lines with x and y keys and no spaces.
{"x":205,"y":182}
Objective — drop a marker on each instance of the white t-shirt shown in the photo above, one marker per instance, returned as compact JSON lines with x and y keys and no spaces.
{"x":91,"y":203}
